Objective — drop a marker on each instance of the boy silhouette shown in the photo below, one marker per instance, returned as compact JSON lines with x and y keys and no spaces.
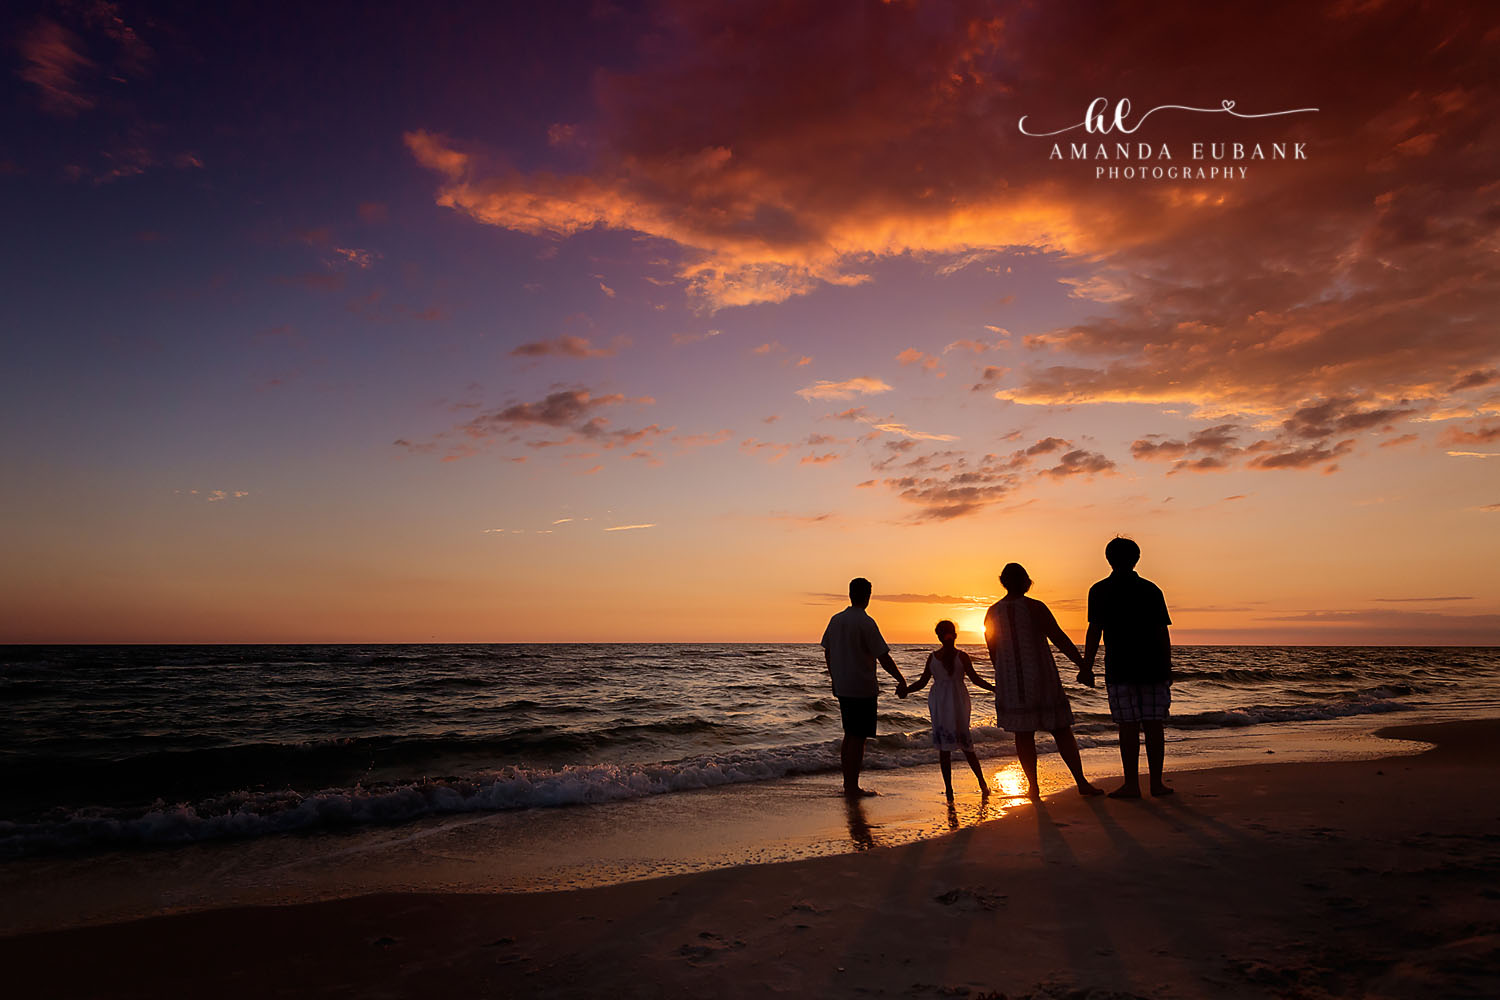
{"x":1131,"y":615}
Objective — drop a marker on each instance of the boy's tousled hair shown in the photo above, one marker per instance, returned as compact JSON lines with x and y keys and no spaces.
{"x":1122,"y":552}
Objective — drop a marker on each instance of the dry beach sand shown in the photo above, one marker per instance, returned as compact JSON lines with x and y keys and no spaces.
{"x":1377,"y":878}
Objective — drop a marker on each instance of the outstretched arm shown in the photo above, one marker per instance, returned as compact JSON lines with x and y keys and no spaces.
{"x":890,"y":668}
{"x":972,"y":674}
{"x":1060,"y":639}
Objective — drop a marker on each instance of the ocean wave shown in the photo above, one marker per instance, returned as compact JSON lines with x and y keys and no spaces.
{"x":250,"y":814}
{"x":253,"y":813}
{"x":1257,"y":714}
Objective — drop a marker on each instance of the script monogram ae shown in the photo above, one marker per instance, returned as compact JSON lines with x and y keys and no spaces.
{"x":1098,"y":119}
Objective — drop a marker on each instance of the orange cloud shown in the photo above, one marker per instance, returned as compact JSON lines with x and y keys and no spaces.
{"x":1480,"y":434}
{"x":689,"y":441}
{"x":912,"y":356}
{"x":781,"y":195}
{"x":847,"y":389}
{"x":1336,"y":296}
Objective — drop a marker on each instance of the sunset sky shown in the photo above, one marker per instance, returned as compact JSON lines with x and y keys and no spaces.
{"x":600,"y":321}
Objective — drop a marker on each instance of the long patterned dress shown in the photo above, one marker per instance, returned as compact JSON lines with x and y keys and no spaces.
{"x":1028,"y":693}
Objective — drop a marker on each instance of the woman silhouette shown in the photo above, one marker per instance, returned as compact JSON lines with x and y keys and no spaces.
{"x":1028,"y":693}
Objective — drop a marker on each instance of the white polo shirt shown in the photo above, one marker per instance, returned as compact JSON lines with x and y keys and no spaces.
{"x":854,"y":642}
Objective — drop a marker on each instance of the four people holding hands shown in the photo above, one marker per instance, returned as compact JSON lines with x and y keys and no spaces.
{"x":1127,"y":612}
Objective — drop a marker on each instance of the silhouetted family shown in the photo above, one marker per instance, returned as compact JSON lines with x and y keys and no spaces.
{"x":1127,"y":612}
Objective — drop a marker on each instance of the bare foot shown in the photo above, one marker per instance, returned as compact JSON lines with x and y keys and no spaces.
{"x":949,"y":793}
{"x":1033,"y":794}
{"x":858,"y":793}
{"x":1159,"y":790}
{"x":1126,"y":792}
{"x":984,"y":791}
{"x":1086,"y":789}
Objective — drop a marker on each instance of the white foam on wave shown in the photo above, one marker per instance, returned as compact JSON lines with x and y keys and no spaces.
{"x":248,"y":814}
{"x":1259,"y":714}
{"x":258,"y":813}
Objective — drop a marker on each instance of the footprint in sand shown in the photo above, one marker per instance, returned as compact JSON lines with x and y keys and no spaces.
{"x":972,"y":899}
{"x":711,"y":946}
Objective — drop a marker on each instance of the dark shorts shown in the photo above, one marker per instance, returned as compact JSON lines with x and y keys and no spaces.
{"x":858,"y":715}
{"x":1139,"y":702}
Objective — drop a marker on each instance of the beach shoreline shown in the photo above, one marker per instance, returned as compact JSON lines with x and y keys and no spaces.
{"x":1379,"y":877}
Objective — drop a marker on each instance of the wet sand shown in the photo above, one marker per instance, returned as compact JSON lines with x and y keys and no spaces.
{"x":1371,"y":878}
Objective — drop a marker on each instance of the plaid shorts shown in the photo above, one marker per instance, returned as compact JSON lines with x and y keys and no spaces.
{"x":1139,"y":702}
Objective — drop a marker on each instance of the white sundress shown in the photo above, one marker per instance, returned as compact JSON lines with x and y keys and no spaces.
{"x":948,"y":704}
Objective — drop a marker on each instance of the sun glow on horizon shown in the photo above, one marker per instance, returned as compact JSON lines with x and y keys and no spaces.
{"x":970,"y":621}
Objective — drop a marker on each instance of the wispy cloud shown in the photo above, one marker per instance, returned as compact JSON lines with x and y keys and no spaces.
{"x":923,"y":360}
{"x":630,"y":527}
{"x":54,"y":62}
{"x":1417,"y":600}
{"x":688,"y":442}
{"x":692,"y":337}
{"x":1478,"y":434}
{"x":935,"y":599}
{"x":902,"y":430}
{"x":574,"y":411}
{"x":213,"y":496}
{"x":847,"y":389}
{"x":569,"y":347}
{"x":354,"y":257}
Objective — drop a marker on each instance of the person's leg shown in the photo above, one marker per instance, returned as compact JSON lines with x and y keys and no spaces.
{"x":973,"y":759}
{"x":1130,"y":758}
{"x":1026,"y":754}
{"x":1067,"y":748}
{"x":1156,"y":752}
{"x":945,"y":758}
{"x":851,"y":756}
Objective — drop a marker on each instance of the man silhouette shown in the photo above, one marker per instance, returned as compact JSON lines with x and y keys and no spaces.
{"x":1131,"y":614}
{"x":851,"y":645}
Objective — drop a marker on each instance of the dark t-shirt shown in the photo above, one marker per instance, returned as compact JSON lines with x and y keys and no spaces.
{"x":1132,"y":614}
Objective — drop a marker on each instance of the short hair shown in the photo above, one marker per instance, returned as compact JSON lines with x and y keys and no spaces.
{"x":1122,"y":552}
{"x":1015,"y":577}
{"x":945,"y":626}
{"x":859,"y":589}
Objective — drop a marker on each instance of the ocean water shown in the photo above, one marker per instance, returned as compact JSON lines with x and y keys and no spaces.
{"x":113,"y":747}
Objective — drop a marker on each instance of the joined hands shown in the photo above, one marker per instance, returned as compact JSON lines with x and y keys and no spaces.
{"x":1086,"y":674}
